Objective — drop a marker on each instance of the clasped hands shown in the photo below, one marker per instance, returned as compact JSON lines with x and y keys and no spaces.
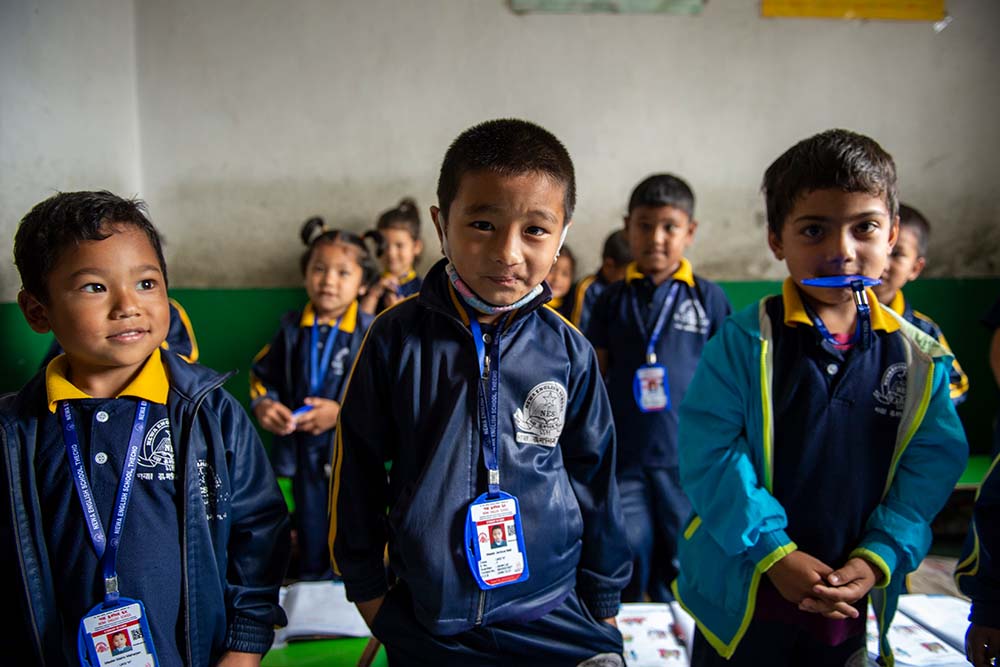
{"x":817,"y":588}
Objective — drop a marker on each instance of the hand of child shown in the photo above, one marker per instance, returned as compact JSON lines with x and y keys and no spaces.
{"x":847,"y":585}
{"x":611,"y":620}
{"x":274,"y":417}
{"x":321,"y":418}
{"x":795,"y":575}
{"x":982,"y":645}
{"x":237,"y":659}
{"x":369,"y":609}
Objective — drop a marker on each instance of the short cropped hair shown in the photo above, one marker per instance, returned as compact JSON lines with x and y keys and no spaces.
{"x":835,"y":159}
{"x":616,"y":248}
{"x":915,"y":220}
{"x":507,"y":147}
{"x":663,"y":190}
{"x":63,"y":221}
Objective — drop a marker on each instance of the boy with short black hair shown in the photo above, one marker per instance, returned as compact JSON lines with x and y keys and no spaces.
{"x":492,"y":412}
{"x":649,"y":331}
{"x":116,"y":428}
{"x":907,"y":261}
{"x":817,"y":438}
{"x":615,"y":258}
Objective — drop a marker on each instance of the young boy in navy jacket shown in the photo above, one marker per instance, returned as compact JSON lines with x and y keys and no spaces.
{"x":117,"y":429}
{"x":649,"y":331}
{"x":615,"y":258}
{"x":817,"y":438}
{"x":978,"y":576}
{"x":907,"y":261}
{"x":478,"y":396}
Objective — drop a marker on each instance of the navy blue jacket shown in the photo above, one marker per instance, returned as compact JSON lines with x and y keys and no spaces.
{"x":413,"y":401}
{"x":234,"y":523}
{"x":978,"y":572}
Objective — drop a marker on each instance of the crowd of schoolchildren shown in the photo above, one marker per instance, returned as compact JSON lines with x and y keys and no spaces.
{"x":494,"y":457}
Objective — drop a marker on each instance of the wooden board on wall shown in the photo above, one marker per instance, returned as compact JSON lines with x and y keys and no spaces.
{"x":899,"y":10}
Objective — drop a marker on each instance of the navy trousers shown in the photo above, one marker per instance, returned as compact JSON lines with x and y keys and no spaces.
{"x":654,"y":507}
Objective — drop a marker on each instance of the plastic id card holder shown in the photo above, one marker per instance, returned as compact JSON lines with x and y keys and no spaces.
{"x":652,"y":393}
{"x":116,"y":636}
{"x":495,"y":541}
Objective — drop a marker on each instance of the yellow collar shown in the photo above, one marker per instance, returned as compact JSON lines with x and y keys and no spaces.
{"x":684,"y":273}
{"x":795,"y":311}
{"x":898,"y":303}
{"x":402,"y":280}
{"x":556,"y":302}
{"x":347,"y":323}
{"x":150,"y":384}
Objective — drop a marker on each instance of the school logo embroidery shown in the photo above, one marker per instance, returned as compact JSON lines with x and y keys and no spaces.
{"x":540,"y":421}
{"x":212,"y":494}
{"x":691,"y":317}
{"x":892,"y":391}
{"x":157,"y":453}
{"x":337,"y":366}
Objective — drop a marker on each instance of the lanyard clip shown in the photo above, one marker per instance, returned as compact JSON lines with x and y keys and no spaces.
{"x":494,"y":478}
{"x":860,"y":296}
{"x":111,"y":585}
{"x":651,"y":358}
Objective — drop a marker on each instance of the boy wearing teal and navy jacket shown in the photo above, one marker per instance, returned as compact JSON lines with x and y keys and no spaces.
{"x":817,"y":437}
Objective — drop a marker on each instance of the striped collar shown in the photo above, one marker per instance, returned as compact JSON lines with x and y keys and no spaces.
{"x":150,"y":384}
{"x":347,"y":323}
{"x":795,"y":310}
{"x":684,"y":273}
{"x":403,"y":279}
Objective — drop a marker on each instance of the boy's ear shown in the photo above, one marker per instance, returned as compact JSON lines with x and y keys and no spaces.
{"x":625,"y":221}
{"x":894,"y":233}
{"x":34,"y":312}
{"x":439,"y":223}
{"x":692,"y":228}
{"x":918,"y":267}
{"x":774,"y":243}
{"x":418,"y":246}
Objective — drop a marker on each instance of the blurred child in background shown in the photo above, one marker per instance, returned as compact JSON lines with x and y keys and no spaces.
{"x":399,"y":248}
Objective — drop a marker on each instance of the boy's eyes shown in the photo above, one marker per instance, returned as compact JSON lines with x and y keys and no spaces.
{"x":536,"y":231}
{"x":146,"y":284}
{"x":481,"y":225}
{"x":867,"y":226}
{"x":93,"y":288}
{"x":812,"y":231}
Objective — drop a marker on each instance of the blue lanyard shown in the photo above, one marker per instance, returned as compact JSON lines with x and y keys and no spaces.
{"x":317,"y":374}
{"x":106,"y":550}
{"x":489,"y":398}
{"x":863,"y":330}
{"x":653,"y":339}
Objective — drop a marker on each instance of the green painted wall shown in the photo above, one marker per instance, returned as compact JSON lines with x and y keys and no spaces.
{"x":232,"y":325}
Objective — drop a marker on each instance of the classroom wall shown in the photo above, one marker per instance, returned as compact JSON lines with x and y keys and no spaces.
{"x":254,"y":114}
{"x":68,"y":107}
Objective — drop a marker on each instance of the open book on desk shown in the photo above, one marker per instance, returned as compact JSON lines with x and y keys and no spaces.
{"x":318,"y":610}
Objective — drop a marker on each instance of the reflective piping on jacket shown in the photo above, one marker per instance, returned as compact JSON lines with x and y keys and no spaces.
{"x":970,"y":566}
{"x":766,"y":379}
{"x":919,"y":387}
{"x":186,"y":321}
{"x":581,"y":293}
{"x":333,"y":489}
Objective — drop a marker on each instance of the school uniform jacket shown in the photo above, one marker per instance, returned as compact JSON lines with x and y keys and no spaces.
{"x":585,"y":294}
{"x":957,"y":378}
{"x":280,"y":372}
{"x":412,"y":400}
{"x":737,"y":531}
{"x":233,"y":523}
{"x":977,"y":573}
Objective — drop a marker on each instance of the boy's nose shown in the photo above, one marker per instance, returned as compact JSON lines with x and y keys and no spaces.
{"x":843,"y":250}
{"x":126,"y":305}
{"x":508,"y":248}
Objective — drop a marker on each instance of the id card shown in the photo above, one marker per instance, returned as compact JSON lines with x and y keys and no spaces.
{"x":116,"y":636}
{"x":652,"y":393}
{"x":495,"y":542}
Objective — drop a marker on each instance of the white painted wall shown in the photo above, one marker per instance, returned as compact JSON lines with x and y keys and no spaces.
{"x":68,"y":111}
{"x":255,"y":114}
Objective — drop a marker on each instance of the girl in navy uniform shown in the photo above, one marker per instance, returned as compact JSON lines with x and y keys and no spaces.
{"x":560,"y":279}
{"x":398,"y":236}
{"x":297,"y":380}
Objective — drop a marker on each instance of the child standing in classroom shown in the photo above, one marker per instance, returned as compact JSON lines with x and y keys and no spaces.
{"x":137,"y":491}
{"x":649,"y":331}
{"x":400,"y":247}
{"x":818,"y":438}
{"x":560,"y":280}
{"x":492,"y":412}
{"x":615,"y":258}
{"x":297,"y":380}
{"x":907,"y":261}
{"x":977,"y":575}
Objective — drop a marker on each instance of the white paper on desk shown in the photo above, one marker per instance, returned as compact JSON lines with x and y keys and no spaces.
{"x":944,"y":615}
{"x":319,"y":609}
{"x":913,"y":645}
{"x":649,"y":636}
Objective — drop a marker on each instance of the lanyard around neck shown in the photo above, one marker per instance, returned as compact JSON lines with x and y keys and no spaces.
{"x":318,"y":369}
{"x":488,"y":355}
{"x":653,"y":338}
{"x":106,"y":549}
